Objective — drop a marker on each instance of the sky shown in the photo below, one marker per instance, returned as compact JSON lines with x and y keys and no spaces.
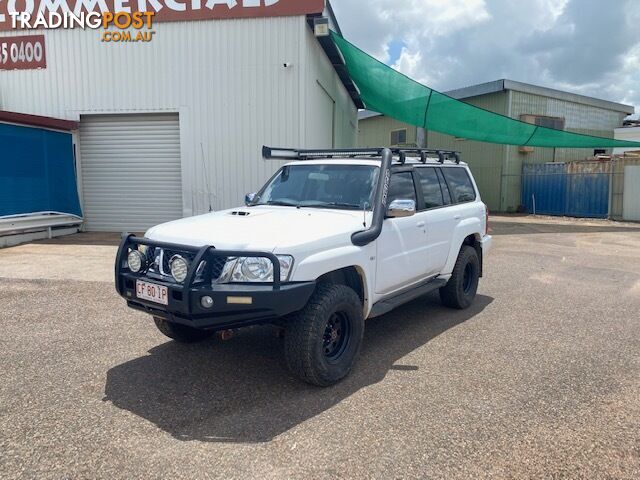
{"x":591,"y":47}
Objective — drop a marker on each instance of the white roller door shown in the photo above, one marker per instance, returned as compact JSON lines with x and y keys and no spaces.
{"x":130,"y":168}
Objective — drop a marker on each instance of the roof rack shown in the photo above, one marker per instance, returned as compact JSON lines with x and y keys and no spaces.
{"x":402,"y":153}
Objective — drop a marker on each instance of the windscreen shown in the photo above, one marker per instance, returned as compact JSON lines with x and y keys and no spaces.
{"x":321,"y":186}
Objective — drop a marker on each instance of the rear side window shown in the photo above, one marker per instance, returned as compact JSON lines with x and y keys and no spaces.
{"x":401,"y":187}
{"x":445,"y":188}
{"x":460,"y":185}
{"x":431,"y":190}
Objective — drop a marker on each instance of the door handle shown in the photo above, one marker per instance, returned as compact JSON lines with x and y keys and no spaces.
{"x":457,"y":217}
{"x":420,"y":224}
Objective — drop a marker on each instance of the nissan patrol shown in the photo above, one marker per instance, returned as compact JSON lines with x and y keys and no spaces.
{"x":333,"y":238}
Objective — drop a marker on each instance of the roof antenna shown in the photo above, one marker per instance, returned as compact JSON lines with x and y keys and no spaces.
{"x":206,"y":179}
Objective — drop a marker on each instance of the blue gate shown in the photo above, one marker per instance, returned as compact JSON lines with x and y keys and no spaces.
{"x":577,"y":189}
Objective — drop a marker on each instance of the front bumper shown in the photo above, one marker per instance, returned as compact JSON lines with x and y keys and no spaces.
{"x":486,"y":243}
{"x":234,"y":305}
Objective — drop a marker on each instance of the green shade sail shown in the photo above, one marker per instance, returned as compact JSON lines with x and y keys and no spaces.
{"x":391,"y":93}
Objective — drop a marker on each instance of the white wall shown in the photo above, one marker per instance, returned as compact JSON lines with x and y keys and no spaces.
{"x":226,"y":78}
{"x":631,"y":134}
{"x":326,"y":95}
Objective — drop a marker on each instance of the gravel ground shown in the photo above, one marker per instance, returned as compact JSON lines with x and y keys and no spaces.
{"x":540,"y":378}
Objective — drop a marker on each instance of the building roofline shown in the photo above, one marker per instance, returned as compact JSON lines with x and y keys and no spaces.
{"x":364,"y":114}
{"x":37,"y":121}
{"x":505,"y":84}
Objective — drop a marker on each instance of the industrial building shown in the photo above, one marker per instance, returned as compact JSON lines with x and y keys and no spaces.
{"x":498,"y":168}
{"x":174,"y":127}
{"x":629,"y":131}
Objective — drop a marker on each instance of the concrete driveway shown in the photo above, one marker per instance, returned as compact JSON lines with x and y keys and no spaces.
{"x":539,"y":379}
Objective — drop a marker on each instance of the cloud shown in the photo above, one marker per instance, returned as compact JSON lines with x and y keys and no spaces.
{"x":586,"y":46}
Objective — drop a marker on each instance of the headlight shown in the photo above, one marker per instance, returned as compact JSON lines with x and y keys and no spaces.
{"x":179,"y":268}
{"x":135,"y":260}
{"x":255,"y":269}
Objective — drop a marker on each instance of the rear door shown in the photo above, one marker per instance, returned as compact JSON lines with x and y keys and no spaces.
{"x":401,"y":257}
{"x":458,"y":186}
{"x":438,"y":217}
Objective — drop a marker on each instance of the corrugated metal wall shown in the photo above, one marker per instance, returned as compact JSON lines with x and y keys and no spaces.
{"x":588,"y":189}
{"x":544,"y":188}
{"x":575,"y":189}
{"x":225,"y":78}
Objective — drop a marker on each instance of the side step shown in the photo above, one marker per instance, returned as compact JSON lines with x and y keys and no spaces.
{"x":388,"y":304}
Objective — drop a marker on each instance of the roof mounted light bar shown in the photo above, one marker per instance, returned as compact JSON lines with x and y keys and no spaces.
{"x":296,"y":154}
{"x":402,"y":153}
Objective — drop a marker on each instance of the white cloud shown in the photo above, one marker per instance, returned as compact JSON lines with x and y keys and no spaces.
{"x":586,"y":46}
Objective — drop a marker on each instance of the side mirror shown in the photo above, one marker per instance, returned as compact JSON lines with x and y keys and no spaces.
{"x":249,"y":198}
{"x":401,"y":208}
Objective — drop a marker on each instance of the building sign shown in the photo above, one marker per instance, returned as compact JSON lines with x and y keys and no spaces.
{"x":11,"y":11}
{"x":22,"y":53}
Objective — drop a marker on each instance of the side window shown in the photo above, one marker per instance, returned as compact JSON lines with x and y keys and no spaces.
{"x":431,"y":190}
{"x":445,"y":188}
{"x":401,"y":187}
{"x":460,"y":184}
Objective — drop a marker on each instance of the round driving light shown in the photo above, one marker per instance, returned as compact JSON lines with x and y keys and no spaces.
{"x":206,"y":301}
{"x":179,"y":268}
{"x":135,"y":260}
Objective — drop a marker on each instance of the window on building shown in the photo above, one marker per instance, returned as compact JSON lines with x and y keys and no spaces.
{"x":430,"y":185}
{"x":556,"y":123}
{"x":399,"y":137}
{"x":460,"y":184}
{"x":401,"y":187}
{"x":599,"y":151}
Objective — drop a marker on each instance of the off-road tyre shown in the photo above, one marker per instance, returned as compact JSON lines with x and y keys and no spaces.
{"x":323,"y":340}
{"x":181,"y":333}
{"x":460,"y":290}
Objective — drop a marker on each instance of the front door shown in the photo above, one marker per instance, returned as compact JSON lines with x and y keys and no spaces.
{"x":401,"y":246}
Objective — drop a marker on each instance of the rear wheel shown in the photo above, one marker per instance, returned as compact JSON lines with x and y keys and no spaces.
{"x":181,"y":333}
{"x":460,"y":290}
{"x":323,"y":340}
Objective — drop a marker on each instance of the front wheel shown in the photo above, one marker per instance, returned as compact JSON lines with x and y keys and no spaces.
{"x":461,"y":288}
{"x":181,"y":333}
{"x":322,"y":341}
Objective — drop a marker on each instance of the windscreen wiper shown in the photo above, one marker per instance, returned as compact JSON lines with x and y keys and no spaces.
{"x":279,"y":203}
{"x":335,"y":205}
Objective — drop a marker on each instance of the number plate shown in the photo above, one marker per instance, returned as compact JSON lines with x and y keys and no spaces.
{"x":152,"y":292}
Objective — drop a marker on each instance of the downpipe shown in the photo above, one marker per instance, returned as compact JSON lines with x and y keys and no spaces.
{"x":365,"y":237}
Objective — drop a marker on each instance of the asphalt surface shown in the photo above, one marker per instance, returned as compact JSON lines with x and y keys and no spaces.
{"x":540,"y":378}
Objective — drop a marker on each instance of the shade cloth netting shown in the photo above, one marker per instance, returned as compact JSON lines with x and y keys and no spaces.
{"x":391,"y":93}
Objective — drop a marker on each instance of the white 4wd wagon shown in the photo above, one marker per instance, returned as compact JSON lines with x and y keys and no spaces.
{"x":335,"y":237}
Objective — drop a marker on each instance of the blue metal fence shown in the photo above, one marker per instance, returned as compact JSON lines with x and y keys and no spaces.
{"x":578,"y":189}
{"x":37,"y":171}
